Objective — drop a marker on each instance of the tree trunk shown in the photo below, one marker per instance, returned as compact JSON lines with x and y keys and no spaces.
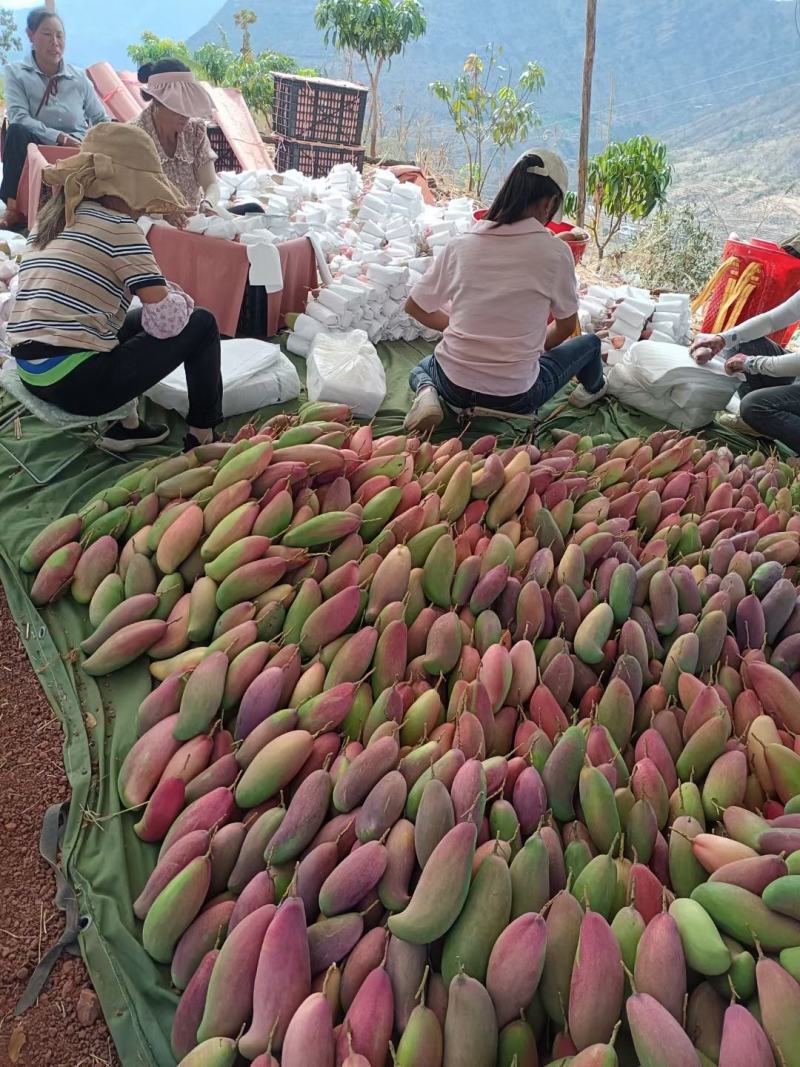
{"x":376,"y":110}
{"x":586,"y":106}
{"x":374,"y":120}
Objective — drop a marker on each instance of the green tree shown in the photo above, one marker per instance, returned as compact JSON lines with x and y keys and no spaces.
{"x":244,"y":19}
{"x":10,"y":40}
{"x":151,"y":48}
{"x":376,"y":31}
{"x":489,"y":110}
{"x":625,"y":182}
{"x":254,"y":79}
{"x":213,"y":61}
{"x":216,"y":63}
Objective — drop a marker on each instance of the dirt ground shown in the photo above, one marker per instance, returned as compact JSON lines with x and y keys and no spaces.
{"x":65,"y":1027}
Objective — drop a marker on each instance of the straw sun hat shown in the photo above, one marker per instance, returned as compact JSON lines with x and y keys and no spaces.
{"x":116,"y":160}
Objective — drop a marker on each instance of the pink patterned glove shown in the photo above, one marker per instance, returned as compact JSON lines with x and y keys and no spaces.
{"x":169,"y":316}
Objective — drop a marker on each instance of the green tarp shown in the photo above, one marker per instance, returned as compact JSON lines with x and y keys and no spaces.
{"x":102,"y":857}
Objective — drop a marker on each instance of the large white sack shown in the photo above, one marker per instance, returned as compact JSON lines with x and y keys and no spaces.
{"x":255,"y":374}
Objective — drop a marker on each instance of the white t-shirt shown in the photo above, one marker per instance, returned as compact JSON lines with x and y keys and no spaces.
{"x":501,"y":283}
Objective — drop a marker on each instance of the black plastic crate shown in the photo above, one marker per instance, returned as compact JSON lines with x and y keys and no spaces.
{"x":316,"y":109}
{"x":226,"y":157}
{"x":314,"y":160}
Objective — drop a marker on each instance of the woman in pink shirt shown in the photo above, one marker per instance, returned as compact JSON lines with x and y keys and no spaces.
{"x":491,"y":293}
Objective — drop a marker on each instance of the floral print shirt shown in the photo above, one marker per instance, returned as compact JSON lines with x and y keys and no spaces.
{"x":192,"y":151}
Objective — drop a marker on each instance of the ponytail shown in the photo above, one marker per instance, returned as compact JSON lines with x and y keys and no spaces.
{"x":520,"y":190}
{"x":52,"y":221}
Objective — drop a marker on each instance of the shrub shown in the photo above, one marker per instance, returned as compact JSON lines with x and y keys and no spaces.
{"x":676,"y":250}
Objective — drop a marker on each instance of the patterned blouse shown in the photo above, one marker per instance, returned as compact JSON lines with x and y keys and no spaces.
{"x":193,"y":150}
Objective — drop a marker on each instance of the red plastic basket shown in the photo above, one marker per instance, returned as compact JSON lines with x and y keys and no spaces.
{"x":780,"y":279}
{"x":578,"y":247}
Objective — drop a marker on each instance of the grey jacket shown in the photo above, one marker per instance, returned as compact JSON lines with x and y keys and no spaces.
{"x":72,"y":109}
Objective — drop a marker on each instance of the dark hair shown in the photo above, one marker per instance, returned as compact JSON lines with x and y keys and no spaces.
{"x":520,"y":190}
{"x":37,"y":17}
{"x":161,"y":66}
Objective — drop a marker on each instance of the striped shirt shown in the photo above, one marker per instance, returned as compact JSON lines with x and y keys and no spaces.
{"x":74,"y":293}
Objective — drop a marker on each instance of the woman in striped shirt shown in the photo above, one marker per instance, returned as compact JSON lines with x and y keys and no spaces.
{"x":76,"y":344}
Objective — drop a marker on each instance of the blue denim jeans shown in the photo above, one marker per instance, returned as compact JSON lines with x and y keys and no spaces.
{"x":578,"y":358}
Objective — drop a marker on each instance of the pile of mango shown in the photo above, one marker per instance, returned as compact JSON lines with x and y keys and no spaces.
{"x":455,"y":755}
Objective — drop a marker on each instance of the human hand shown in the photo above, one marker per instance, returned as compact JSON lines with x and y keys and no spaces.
{"x":65,"y":141}
{"x":705,"y":346}
{"x":735,"y":365}
{"x":177,"y":219}
{"x":574,"y":234}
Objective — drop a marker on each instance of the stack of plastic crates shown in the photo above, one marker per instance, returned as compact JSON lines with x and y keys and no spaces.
{"x":318,"y":123}
{"x":226,"y":157}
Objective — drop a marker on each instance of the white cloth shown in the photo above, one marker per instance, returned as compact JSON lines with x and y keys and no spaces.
{"x":265,"y":263}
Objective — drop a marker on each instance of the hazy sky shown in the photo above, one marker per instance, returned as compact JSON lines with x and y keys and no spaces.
{"x":102,"y":29}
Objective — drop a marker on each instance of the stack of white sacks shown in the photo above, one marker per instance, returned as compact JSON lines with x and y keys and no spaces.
{"x":384,"y":250}
{"x":634,"y":314}
{"x":372,"y":247}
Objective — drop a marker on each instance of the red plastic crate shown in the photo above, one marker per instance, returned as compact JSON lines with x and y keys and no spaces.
{"x":780,"y":279}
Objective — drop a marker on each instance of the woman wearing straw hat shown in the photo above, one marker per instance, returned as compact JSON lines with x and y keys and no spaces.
{"x":175,"y":120}
{"x":75,"y":342}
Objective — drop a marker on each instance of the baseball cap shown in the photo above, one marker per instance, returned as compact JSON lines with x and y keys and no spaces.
{"x":552,"y":166}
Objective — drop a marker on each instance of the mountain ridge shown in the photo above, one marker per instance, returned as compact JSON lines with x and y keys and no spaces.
{"x":650,"y":52}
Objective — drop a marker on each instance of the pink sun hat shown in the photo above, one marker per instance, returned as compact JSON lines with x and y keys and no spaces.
{"x":180,"y":91}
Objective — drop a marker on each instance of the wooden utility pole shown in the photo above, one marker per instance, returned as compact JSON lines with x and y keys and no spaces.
{"x":50,"y":5}
{"x":610,"y":109}
{"x":586,"y":106}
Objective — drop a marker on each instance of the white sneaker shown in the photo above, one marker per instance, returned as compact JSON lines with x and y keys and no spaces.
{"x":426,"y":412}
{"x":729,"y":421}
{"x":580,"y":397}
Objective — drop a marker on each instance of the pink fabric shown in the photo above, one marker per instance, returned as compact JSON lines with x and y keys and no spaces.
{"x":132,"y":84}
{"x":117,"y":99}
{"x":215,"y":272}
{"x":236,"y":122}
{"x":30,"y":183}
{"x":502,"y":283}
{"x":179,"y":91}
{"x":212,"y":271}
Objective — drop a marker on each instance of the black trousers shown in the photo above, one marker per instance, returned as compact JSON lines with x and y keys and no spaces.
{"x":107,"y":380}
{"x":15,"y":152}
{"x":771,"y":405}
